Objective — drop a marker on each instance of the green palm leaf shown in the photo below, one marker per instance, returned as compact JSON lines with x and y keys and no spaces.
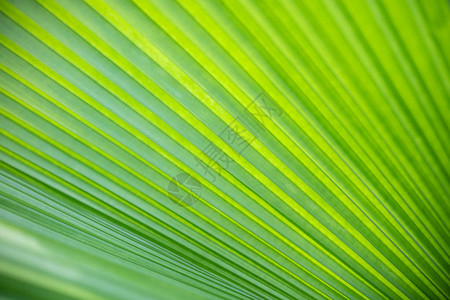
{"x":224,"y":149}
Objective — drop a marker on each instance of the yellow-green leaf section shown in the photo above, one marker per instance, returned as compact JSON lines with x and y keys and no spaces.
{"x":212,"y":149}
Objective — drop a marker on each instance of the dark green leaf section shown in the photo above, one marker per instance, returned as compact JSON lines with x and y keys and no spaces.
{"x":224,"y":149}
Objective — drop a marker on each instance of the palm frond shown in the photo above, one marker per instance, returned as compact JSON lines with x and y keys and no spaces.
{"x":216,"y":149}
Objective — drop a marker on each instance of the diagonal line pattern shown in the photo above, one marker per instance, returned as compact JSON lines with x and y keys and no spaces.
{"x":307,"y":141}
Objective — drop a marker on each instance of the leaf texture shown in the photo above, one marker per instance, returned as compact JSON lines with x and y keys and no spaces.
{"x":235,"y":149}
